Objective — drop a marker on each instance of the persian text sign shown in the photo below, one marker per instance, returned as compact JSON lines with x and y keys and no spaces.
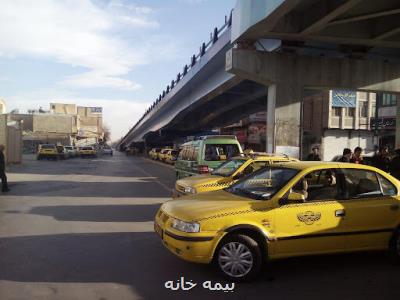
{"x":344,"y":98}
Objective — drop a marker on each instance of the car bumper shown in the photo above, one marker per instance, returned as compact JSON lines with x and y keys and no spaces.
{"x":177,"y":194}
{"x":193,"y":248}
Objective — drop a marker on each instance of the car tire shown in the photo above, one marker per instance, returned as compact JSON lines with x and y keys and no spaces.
{"x":238,"y":258}
{"x":394,"y":247}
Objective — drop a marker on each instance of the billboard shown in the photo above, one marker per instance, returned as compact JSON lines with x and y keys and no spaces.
{"x":97,"y":110}
{"x":344,"y":98}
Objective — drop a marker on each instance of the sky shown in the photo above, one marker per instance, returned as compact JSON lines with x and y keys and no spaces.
{"x":118,"y":54}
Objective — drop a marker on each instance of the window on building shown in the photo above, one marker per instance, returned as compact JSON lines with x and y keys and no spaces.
{"x":336,"y":111}
{"x":389,"y":100}
{"x":363,"y":108}
{"x":350,"y":112}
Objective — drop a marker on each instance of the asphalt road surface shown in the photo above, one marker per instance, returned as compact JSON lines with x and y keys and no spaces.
{"x":83,"y":229}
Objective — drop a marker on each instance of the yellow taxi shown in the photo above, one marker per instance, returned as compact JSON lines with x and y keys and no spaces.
{"x":48,"y":151}
{"x":162,"y":154}
{"x":154,"y":153}
{"x":171,"y":156}
{"x":87,"y":151}
{"x":284,"y":210}
{"x":227,"y":173}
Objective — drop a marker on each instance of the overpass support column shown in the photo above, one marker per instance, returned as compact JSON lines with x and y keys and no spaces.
{"x":284,"y":119}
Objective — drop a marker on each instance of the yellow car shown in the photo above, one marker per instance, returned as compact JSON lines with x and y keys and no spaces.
{"x":227,"y":173}
{"x":87,"y":151}
{"x":154,"y":153}
{"x":171,"y":156}
{"x":48,"y":151}
{"x":284,"y":210}
{"x":161,"y":155}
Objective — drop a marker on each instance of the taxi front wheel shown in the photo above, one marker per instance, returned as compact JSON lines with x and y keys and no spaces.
{"x":239,"y":258}
{"x":394,"y":247}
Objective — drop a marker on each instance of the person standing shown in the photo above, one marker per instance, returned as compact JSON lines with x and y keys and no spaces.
{"x":4,"y":185}
{"x":357,"y":157}
{"x":382,"y":160}
{"x":394,"y":166}
{"x":314,"y":155}
{"x":346,"y":155}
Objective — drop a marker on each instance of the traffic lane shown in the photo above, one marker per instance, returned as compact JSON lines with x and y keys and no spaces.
{"x":118,"y":176}
{"x":140,"y":261}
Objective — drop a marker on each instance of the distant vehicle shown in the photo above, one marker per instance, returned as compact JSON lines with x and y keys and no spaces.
{"x":62,"y":152}
{"x":87,"y":151}
{"x":171,"y":156}
{"x":47,"y":151}
{"x":107,"y":151}
{"x":205,"y":153}
{"x":71,"y":151}
{"x":163,"y":153}
{"x":154,"y":153}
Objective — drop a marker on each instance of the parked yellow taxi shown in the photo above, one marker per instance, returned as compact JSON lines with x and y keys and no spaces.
{"x":48,"y":151}
{"x":171,"y":156}
{"x":227,"y":173}
{"x":154,"y":153}
{"x":87,"y":151}
{"x":162,"y":154}
{"x":284,"y":210}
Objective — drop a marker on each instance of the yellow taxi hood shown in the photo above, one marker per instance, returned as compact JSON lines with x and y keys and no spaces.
{"x":206,"y":205}
{"x":194,"y":181}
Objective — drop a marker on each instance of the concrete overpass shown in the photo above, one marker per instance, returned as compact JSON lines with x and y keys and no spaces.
{"x":275,"y":50}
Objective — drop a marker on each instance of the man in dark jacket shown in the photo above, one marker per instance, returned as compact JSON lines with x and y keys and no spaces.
{"x":346,"y":155}
{"x":382,"y":160}
{"x":394,"y":166}
{"x":4,"y":185}
{"x":314,"y":155}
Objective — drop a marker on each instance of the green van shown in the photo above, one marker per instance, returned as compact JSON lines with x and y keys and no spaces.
{"x":205,"y":153}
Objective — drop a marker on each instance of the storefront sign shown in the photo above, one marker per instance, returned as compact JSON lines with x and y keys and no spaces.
{"x":384,"y":123}
{"x":344,"y":98}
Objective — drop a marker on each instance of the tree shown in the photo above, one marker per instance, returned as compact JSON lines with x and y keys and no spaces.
{"x":107,"y":133}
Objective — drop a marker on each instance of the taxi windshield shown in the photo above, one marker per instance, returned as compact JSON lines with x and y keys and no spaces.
{"x":263,"y":184}
{"x":229,"y":167}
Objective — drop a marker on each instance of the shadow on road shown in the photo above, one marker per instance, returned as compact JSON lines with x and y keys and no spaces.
{"x":143,"y":189}
{"x":139,"y":260}
{"x":99,"y":213}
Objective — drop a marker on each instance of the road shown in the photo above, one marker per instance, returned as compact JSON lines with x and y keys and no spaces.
{"x":82,"y":229}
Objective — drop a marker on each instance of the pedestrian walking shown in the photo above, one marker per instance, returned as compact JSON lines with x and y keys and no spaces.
{"x":394,"y":166}
{"x":4,"y":185}
{"x":346,"y":155}
{"x":382,"y":160}
{"x":314,"y":155}
{"x":357,"y":156}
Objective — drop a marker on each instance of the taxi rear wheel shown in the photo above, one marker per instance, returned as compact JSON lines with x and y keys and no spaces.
{"x":239,"y":258}
{"x":394,"y":247}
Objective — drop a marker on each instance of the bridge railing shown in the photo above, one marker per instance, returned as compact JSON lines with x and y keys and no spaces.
{"x":193,"y":60}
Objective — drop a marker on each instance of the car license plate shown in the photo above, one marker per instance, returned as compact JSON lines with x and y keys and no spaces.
{"x":158,"y":229}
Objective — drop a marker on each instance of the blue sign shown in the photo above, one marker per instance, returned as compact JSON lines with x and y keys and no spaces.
{"x":96,"y":109}
{"x":344,"y":98}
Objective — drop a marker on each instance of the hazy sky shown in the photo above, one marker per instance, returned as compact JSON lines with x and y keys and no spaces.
{"x":119,"y":54}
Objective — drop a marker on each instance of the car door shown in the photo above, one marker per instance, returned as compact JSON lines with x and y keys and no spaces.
{"x":314,"y":226}
{"x":371,"y":209}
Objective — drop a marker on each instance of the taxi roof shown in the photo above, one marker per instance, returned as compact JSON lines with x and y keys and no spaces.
{"x":302,"y":165}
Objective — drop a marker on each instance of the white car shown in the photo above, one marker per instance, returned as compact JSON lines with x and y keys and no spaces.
{"x":71,"y":151}
{"x":108,"y":151}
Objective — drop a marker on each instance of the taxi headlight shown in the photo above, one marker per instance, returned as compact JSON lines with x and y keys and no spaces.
{"x":190,"y":190}
{"x":185,"y":226}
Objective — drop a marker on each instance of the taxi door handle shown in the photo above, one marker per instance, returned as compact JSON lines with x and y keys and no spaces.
{"x":394,"y":207}
{"x":340,"y":213}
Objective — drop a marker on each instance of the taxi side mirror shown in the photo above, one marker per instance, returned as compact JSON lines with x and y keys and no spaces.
{"x":296,"y":197}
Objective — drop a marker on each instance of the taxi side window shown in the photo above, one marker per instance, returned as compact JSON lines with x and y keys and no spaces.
{"x":322,"y":185}
{"x":361,"y":184}
{"x":388,"y":189}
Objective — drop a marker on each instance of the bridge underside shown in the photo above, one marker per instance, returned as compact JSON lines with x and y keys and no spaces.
{"x":245,"y":98}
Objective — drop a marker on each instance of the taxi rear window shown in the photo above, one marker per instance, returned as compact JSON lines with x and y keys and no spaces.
{"x":215,"y":152}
